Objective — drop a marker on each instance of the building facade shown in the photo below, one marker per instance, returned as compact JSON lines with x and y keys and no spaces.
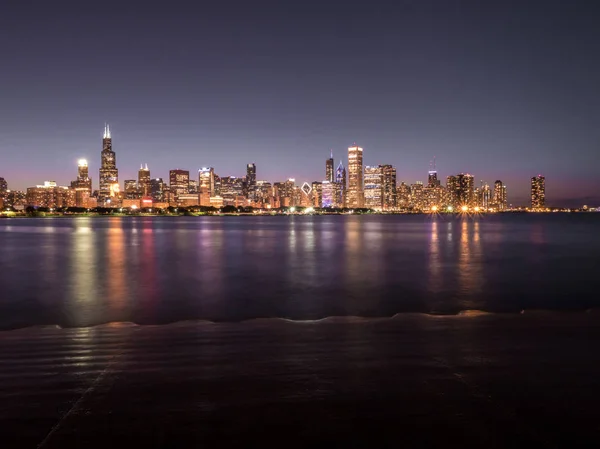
{"x":538,"y":192}
{"x":329,"y":173}
{"x":109,"y":174}
{"x":390,"y":195}
{"x":144,"y":181}
{"x":373,"y":178}
{"x":179,"y":183}
{"x":355,"y":196}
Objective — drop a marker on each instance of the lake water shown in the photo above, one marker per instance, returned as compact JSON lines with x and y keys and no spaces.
{"x":149,"y":270}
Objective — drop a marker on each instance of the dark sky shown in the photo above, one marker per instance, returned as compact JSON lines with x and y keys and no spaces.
{"x":500,"y":89}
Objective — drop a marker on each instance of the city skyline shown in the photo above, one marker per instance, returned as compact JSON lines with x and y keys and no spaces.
{"x":468,"y":83}
{"x":109,"y":173}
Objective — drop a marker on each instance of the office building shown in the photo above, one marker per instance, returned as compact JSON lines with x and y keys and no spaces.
{"x":403,"y":195}
{"x":538,"y":192}
{"x":500,"y":198}
{"x":82,"y":185}
{"x":144,"y":181}
{"x":109,"y":174}
{"x":130,"y":190}
{"x":317,"y":193}
{"x":179,"y":183}
{"x":251,"y":180}
{"x":329,"y":173}
{"x":158,"y":191}
{"x":355,"y":196}
{"x":390,"y":195}
{"x":417,"y":196}
{"x":3,"y":185}
{"x":206,"y":185}
{"x":50,"y":195}
{"x":461,"y":190}
{"x":330,"y":194}
{"x":340,"y":178}
{"x":373,"y":178}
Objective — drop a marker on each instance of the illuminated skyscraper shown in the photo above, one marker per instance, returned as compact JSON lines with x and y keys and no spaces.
{"x":317,"y":193}
{"x":206,"y":185}
{"x":179,"y":182}
{"x":432,"y":179}
{"x":3,"y":185}
{"x":389,"y":187}
{"x":340,"y":178}
{"x":82,"y":185}
{"x":374,"y":187}
{"x":158,"y":190}
{"x":329,"y":173}
{"x":461,"y":190}
{"x":500,"y":200}
{"x":144,"y":181}
{"x":356,"y":195}
{"x":330,"y":194}
{"x":109,"y":174}
{"x":130,"y":189}
{"x":206,"y":180}
{"x":486,"y":196}
{"x":403,"y":191}
{"x":251,"y":180}
{"x":538,"y":192}
{"x":417,"y":195}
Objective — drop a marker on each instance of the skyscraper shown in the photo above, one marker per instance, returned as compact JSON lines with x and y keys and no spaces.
{"x":538,"y":192}
{"x":3,"y":185}
{"x":179,"y":182}
{"x":389,"y":186}
{"x":206,"y":185}
{"x":329,"y":173}
{"x":355,"y":196}
{"x":432,"y":179}
{"x":500,"y":201}
{"x":374,"y":187}
{"x":330,"y":194}
{"x":82,"y":185}
{"x":466,"y":196}
{"x":144,"y":180}
{"x":340,"y":178}
{"x":251,"y":180}
{"x":206,"y":180}
{"x":109,"y":174}
{"x":130,"y":189}
{"x":317,"y":193}
{"x":158,"y":190}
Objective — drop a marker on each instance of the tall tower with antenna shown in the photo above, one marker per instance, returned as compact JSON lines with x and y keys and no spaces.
{"x":432,"y":180}
{"x":109,"y":174}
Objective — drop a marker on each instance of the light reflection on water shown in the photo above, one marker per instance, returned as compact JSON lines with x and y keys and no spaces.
{"x":151,"y":270}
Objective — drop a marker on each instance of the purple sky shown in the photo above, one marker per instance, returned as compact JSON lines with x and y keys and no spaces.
{"x":501,"y":89}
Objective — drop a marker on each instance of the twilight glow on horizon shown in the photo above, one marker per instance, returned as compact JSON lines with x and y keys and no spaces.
{"x":504,"y":90}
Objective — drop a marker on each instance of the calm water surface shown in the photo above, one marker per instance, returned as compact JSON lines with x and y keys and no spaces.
{"x":86,"y":271}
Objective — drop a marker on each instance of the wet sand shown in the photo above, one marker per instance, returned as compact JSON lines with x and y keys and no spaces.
{"x":492,"y":381}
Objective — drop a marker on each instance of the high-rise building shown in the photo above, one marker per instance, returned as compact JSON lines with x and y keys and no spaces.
{"x":3,"y":185}
{"x":251,"y":180}
{"x":486,"y":196}
{"x":193,"y":187}
{"x":417,"y":195}
{"x":461,"y":190}
{"x":82,"y":185}
{"x":179,"y":183}
{"x":340,"y":178}
{"x":144,"y":180}
{"x":206,"y":180}
{"x":317,"y":193}
{"x":356,"y":195}
{"x":50,"y":195}
{"x":432,"y":179}
{"x":389,"y":186}
{"x":538,"y":192}
{"x":329,"y":173}
{"x":403,"y":192}
{"x":232,"y":190}
{"x":158,"y":190}
{"x":109,"y":174}
{"x":130,"y":189}
{"x":374,"y":187}
{"x":330,"y":192}
{"x":500,"y":199}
